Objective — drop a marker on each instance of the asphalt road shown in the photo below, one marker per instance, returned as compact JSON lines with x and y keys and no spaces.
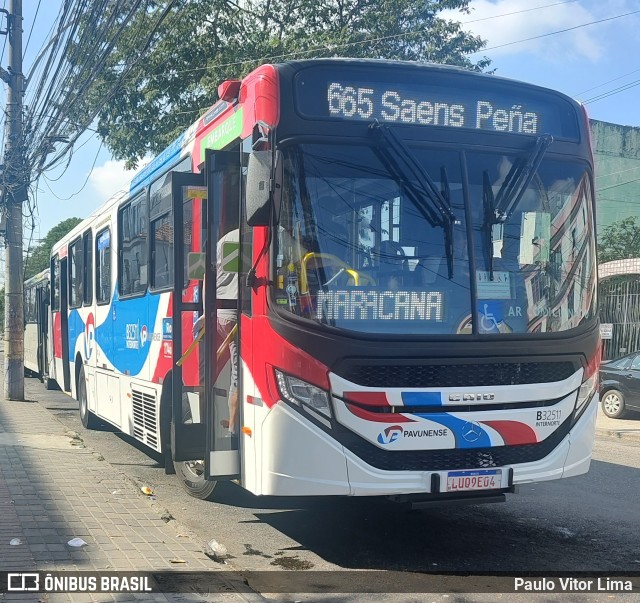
{"x":588,"y":523}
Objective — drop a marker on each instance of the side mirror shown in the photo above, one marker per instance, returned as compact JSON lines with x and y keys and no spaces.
{"x":259,"y":198}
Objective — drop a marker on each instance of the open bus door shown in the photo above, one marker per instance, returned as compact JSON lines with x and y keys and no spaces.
{"x":222,"y":325}
{"x":42,"y":321}
{"x":201,"y":382}
{"x":187,"y":428}
{"x":64,"y":324}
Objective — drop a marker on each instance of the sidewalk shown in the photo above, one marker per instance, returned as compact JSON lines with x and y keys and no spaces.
{"x":626,"y":429}
{"x":53,"y":489}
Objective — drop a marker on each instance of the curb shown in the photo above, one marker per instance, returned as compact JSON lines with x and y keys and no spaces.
{"x":619,"y":434}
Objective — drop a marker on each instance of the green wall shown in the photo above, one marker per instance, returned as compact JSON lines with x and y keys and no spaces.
{"x":617,"y":160}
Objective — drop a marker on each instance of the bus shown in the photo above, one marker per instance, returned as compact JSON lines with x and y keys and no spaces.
{"x":397,"y":262}
{"x":37,"y":337}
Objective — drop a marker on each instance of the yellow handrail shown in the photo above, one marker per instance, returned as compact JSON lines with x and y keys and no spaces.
{"x":194,"y":343}
{"x":312,"y":255}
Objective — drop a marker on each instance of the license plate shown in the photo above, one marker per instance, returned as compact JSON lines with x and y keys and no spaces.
{"x":468,"y":481}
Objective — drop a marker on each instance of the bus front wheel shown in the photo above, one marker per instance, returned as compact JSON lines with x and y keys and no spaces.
{"x":191,"y":473}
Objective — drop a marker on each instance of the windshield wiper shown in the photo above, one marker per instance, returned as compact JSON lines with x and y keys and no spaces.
{"x":498,"y":210}
{"x":435,"y":205}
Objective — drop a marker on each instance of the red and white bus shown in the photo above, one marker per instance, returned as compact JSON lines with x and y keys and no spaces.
{"x":407,"y":253}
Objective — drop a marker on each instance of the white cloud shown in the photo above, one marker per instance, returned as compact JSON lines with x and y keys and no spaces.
{"x":112,"y":177}
{"x":582,"y":43}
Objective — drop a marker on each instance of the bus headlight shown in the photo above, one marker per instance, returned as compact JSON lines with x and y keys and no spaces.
{"x":586,"y":391}
{"x":300,"y":392}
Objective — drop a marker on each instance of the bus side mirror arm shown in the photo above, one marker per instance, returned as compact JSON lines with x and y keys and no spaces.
{"x":264,"y":187}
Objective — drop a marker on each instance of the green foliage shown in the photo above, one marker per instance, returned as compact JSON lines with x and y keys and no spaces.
{"x":39,"y":257}
{"x":204,"y":42}
{"x":620,"y":240}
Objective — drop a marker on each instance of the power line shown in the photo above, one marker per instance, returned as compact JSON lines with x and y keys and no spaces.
{"x":114,"y":86}
{"x":85,"y":182}
{"x":516,"y":12}
{"x":559,"y":31}
{"x":606,"y":188}
{"x":619,"y":172}
{"x":612,"y":92}
{"x":31,"y":30}
{"x":4,"y":46}
{"x":331,"y":47}
{"x":605,"y":83}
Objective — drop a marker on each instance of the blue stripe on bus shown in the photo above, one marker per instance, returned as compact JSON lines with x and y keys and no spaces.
{"x":120,"y":335}
{"x":422,"y":398}
{"x":468,"y":434}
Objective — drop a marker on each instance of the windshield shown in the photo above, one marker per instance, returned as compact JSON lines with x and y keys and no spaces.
{"x":356,"y":249}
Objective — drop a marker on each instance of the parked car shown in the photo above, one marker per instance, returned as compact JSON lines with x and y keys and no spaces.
{"x":620,"y":386}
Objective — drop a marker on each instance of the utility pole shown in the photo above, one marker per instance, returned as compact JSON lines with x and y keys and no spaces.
{"x":15,"y":193}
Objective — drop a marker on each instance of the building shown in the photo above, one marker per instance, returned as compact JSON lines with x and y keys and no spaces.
{"x":617,"y":171}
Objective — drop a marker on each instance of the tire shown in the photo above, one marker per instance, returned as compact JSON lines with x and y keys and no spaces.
{"x":613,"y":404}
{"x":89,"y":420}
{"x":191,"y":476}
{"x":191,"y":473}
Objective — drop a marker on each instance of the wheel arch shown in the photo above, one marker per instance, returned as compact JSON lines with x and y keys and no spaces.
{"x":78,"y":365}
{"x":166,"y":413}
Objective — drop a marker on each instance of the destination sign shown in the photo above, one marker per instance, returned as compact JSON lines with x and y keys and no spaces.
{"x":435,"y":97}
{"x":358,"y":304}
{"x":411,"y":107}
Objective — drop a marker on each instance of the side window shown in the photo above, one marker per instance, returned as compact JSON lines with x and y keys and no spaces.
{"x":161,"y":229}
{"x":32,"y":304}
{"x":132,"y":239}
{"x":55,"y":284}
{"x":76,"y":271}
{"x":161,"y":220}
{"x":28,"y":311}
{"x":87,"y":241}
{"x":635,"y":364}
{"x":103,"y":266}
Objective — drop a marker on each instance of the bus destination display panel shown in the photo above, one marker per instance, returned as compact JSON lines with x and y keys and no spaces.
{"x":431,"y":98}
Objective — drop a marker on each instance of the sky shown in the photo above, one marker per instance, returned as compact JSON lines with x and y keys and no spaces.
{"x":593,"y":60}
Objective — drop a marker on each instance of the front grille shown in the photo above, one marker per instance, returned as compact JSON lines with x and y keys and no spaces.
{"x":455,"y":458}
{"x":457,"y":375}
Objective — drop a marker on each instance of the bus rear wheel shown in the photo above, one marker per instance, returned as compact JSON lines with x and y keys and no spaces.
{"x":89,"y":420}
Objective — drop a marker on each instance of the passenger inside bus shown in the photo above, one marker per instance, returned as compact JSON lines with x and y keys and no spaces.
{"x":226,"y":300}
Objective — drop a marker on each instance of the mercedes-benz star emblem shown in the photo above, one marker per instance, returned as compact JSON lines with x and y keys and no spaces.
{"x":471,"y":432}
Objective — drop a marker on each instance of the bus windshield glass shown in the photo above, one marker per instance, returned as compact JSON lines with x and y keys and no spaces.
{"x":363,"y":247}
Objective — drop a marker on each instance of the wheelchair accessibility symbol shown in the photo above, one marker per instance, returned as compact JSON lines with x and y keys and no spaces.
{"x":491,"y":316}
{"x":488,"y":322}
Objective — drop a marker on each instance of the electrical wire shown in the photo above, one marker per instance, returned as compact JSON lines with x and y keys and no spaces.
{"x":4,"y":46}
{"x":57,"y":79}
{"x":376,"y":39}
{"x":86,"y":180}
{"x":605,"y":83}
{"x":559,"y":31}
{"x":612,"y":92}
{"x":26,"y":46}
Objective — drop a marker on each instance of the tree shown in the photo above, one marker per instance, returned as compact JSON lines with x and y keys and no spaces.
{"x":39,"y":257}
{"x":201,"y":43}
{"x":620,"y":240}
